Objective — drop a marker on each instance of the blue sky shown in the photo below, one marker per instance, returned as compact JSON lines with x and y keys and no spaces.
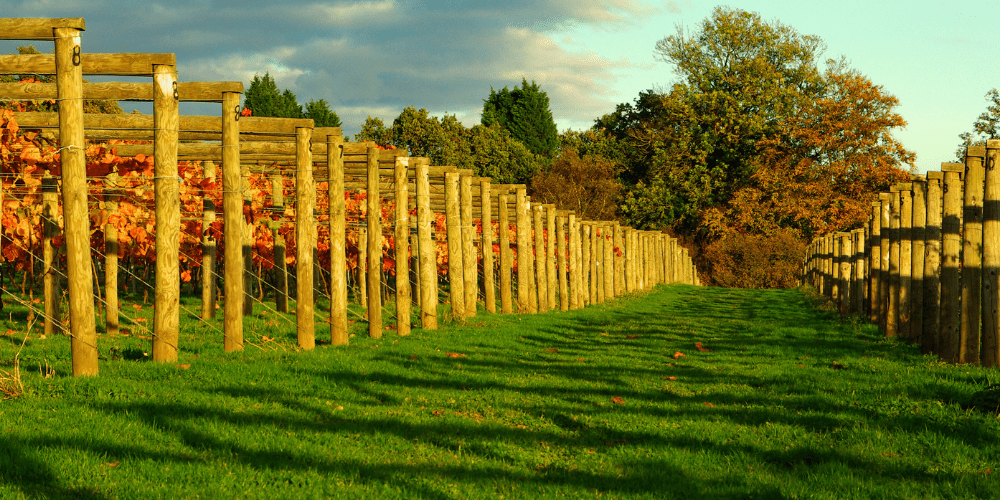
{"x":376,"y":57}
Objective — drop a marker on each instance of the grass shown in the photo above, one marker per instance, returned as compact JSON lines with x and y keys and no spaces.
{"x":790,"y":402}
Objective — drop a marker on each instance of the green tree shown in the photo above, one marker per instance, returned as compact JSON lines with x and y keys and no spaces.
{"x":374,"y":130}
{"x":987,"y":126}
{"x":264,"y":99}
{"x":321,"y":114}
{"x":524,"y":111}
{"x":498,"y":155}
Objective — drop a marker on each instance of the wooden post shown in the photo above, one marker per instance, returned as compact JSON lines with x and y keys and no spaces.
{"x":209,"y":293}
{"x":456,"y":271}
{"x":885,"y":218}
{"x":990,"y":351}
{"x":892,"y":321}
{"x":50,"y":260}
{"x":858,"y":288}
{"x":363,"y":269}
{"x":932,"y":265}
{"x":305,"y":239}
{"x":428,"y":249}
{"x":835,"y":277}
{"x":506,"y":259}
{"x":874,"y":262}
{"x":489,"y":281}
{"x":550,"y":254}
{"x":951,"y":249}
{"x":523,"y":252}
{"x":561,"y":262}
{"x":529,"y":260}
{"x":403,"y":294}
{"x":917,"y":229}
{"x":248,"y":241}
{"x":619,"y":266}
{"x":597,"y":251}
{"x":166,"y":312}
{"x":846,"y":271}
{"x":972,"y":255}
{"x":374,"y":220}
{"x":587,"y":268}
{"x":232,"y":224}
{"x":629,"y":261}
{"x":574,"y":262}
{"x":469,"y":258}
{"x":609,"y":262}
{"x":905,"y":258}
{"x":111,"y":309}
{"x":541,"y":271}
{"x":338,"y":240}
{"x":280,"y":250}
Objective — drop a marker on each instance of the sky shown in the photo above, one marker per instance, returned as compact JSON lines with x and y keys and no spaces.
{"x":374,"y":58}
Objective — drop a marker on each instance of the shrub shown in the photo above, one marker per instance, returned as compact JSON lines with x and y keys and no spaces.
{"x":739,"y":260}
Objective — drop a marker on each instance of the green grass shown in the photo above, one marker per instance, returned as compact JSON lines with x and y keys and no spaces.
{"x":791,"y":402}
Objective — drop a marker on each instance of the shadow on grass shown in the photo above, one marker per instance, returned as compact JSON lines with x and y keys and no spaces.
{"x":544,"y":397}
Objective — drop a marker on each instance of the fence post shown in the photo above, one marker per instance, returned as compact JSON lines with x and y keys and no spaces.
{"x":541,"y":272}
{"x":574,"y":262}
{"x":338,"y":240}
{"x":427,"y":248}
{"x":166,"y":312}
{"x":892,"y":320}
{"x":232,"y":225}
{"x":972,"y":255}
{"x":990,"y":353}
{"x":470,"y":260}
{"x":506,"y":259}
{"x":561,"y":262}
{"x":374,"y":220}
{"x":932,"y":265}
{"x":951,"y":250}
{"x":50,"y":260}
{"x":550,"y":254}
{"x":402,"y":240}
{"x":905,"y":258}
{"x":917,"y":235}
{"x":305,"y":239}
{"x":609,"y":262}
{"x":874,"y":262}
{"x":280,"y":252}
{"x":456,"y":271}
{"x":486,"y":219}
{"x":885,"y":218}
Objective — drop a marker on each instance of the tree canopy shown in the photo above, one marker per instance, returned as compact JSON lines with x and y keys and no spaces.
{"x":987,"y":126}
{"x":524,"y":112}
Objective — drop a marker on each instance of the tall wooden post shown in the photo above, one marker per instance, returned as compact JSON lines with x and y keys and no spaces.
{"x":972,"y":255}
{"x":166,"y":313}
{"x":305,"y":239}
{"x":561,"y":262}
{"x":609,"y":262}
{"x":619,"y":255}
{"x":428,"y":248}
{"x":52,"y":322}
{"x":489,"y":280}
{"x":550,"y":254}
{"x":111,"y":310}
{"x":80,"y":283}
{"x":469,"y":258}
{"x":874,"y":261}
{"x":280,"y":250}
{"x":587,"y":268}
{"x":597,"y":251}
{"x":523,"y":252}
{"x":248,"y":241}
{"x":905,"y":257}
{"x":232,"y":224}
{"x":858,"y":287}
{"x":951,"y":250}
{"x":456,"y":271}
{"x":990,"y":350}
{"x":629,"y":261}
{"x":892,"y":321}
{"x":885,"y":219}
{"x":338,"y":240}
{"x":506,"y":259}
{"x":529,"y":260}
{"x":363,"y":269}
{"x":402,"y":237}
{"x":932,"y":265}
{"x":574,"y":262}
{"x":917,"y":230}
{"x":541,"y":272}
{"x":208,"y":248}
{"x":374,"y":220}
{"x":835,"y":277}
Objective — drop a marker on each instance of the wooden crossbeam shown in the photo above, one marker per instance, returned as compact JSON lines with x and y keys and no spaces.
{"x":122,"y":91}
{"x":248,"y":124}
{"x":26,"y":28}
{"x":93,"y":64}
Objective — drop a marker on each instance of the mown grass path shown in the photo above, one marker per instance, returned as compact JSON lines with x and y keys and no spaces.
{"x":789,"y":402}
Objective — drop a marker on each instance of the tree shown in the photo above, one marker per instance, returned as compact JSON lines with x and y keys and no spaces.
{"x":987,"y":126}
{"x":264,"y":99}
{"x":373,"y":130}
{"x":321,"y":114}
{"x":754,"y":138}
{"x":525,"y":113}
{"x":584,"y":183}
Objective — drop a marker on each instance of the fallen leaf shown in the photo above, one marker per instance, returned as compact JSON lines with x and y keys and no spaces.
{"x":185,"y":366}
{"x":836,"y":366}
{"x":413,"y":356}
{"x":552,"y":350}
{"x":112,"y":464}
{"x":618,"y":400}
{"x":140,"y":320}
{"x":710,"y":405}
{"x":591,"y":452}
{"x":670,"y":378}
{"x":700,"y":348}
{"x":579,"y":359}
{"x":631,"y":336}
{"x":455,"y":355}
{"x":678,"y":354}
{"x":10,"y":332}
{"x":265,"y":338}
{"x":800,"y":365}
{"x":137,"y":306}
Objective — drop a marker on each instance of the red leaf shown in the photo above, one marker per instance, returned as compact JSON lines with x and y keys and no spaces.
{"x":700,"y":348}
{"x":678,"y":355}
{"x":618,"y":400}
{"x":552,"y":350}
{"x":455,"y":355}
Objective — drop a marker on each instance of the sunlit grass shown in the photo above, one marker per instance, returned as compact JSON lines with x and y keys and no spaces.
{"x":787,"y":402}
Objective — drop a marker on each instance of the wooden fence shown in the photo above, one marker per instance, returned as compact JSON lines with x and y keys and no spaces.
{"x":926,"y":265}
{"x":560,"y":261}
